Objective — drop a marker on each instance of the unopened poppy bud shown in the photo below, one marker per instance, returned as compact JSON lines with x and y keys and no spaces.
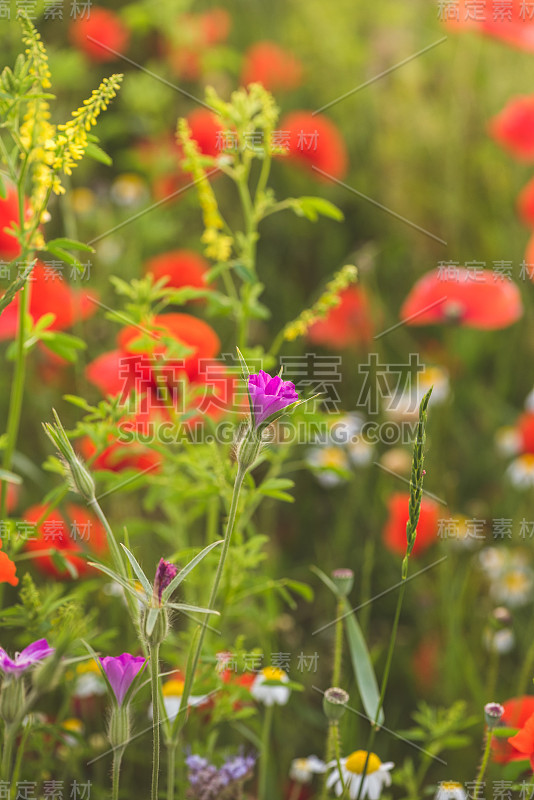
{"x":334,"y":703}
{"x":119,"y":725}
{"x":493,"y":713}
{"x":344,"y":581}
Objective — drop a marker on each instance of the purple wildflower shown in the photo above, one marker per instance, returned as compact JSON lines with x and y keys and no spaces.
{"x":206,"y":782}
{"x":121,"y":671}
{"x":31,"y":655}
{"x":165,"y":572}
{"x":269,"y":395}
{"x":238,"y":768}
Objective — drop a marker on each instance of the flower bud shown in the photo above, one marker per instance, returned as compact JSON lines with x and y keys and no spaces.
{"x":493,"y":713}
{"x":155,"y":631}
{"x":12,"y":699}
{"x":334,"y":702}
{"x":119,"y":725}
{"x":247,"y":447}
{"x":344,"y":581}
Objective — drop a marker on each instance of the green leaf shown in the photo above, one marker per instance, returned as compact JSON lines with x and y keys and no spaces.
{"x":198,"y":609}
{"x":97,"y":154}
{"x":244,"y":272}
{"x":73,"y":244}
{"x":362,"y":666}
{"x":3,"y":188}
{"x":10,"y":477}
{"x":504,"y":733}
{"x":313,"y":207}
{"x":145,"y":583}
{"x":117,"y":578}
{"x":67,"y":257}
{"x":62,"y":344}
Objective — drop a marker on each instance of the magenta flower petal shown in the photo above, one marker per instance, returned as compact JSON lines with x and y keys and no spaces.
{"x":269,"y":395}
{"x":165,"y":572}
{"x":121,"y":671}
{"x":31,"y":655}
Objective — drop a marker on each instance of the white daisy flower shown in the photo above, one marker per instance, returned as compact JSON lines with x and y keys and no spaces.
{"x":508,"y":441}
{"x":376,"y":777}
{"x":271,"y":694}
{"x":405,"y":404}
{"x":521,"y":471}
{"x":172,"y":699}
{"x":360,"y":452}
{"x":328,"y":462}
{"x":346,"y":429}
{"x":501,"y":642}
{"x":514,"y":586}
{"x":450,"y":790}
{"x":302,"y":770}
{"x":492,"y":560}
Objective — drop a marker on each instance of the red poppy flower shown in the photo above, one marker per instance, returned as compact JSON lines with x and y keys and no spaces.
{"x":523,"y":741}
{"x":181,"y":267}
{"x":106,"y":28}
{"x":8,"y":570}
{"x":478,"y":299}
{"x":119,"y":456}
{"x":9,"y":214}
{"x":525,"y":427}
{"x":315,"y":141}
{"x":272,"y":66}
{"x":72,"y":535}
{"x":144,"y":368}
{"x":205,"y":130}
{"x":525,"y":204}
{"x":394,"y":533}
{"x":196,"y":34}
{"x":50,"y":294}
{"x":215,"y":25}
{"x":513,"y":127}
{"x":511,"y":24}
{"x":517,"y":711}
{"x":348,"y":324}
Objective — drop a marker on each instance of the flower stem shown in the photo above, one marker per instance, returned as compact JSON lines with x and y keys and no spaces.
{"x":484,"y":764}
{"x":154,"y":682}
{"x":385,"y":678}
{"x":116,"y":769}
{"x":17,"y":393}
{"x":9,"y":740}
{"x":171,"y":769}
{"x":338,"y":651}
{"x":265,"y":746}
{"x":180,"y":719}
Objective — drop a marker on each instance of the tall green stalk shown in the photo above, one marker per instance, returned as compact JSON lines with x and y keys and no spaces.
{"x":154,"y":683}
{"x":265,"y":747}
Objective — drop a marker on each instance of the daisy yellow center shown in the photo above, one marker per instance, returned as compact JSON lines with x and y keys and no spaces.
{"x":527,"y":461}
{"x":516,"y":581}
{"x":72,"y":724}
{"x":173,"y":688}
{"x":356,"y":762}
{"x":88,"y":667}
{"x":333,"y":457}
{"x":450,"y":785}
{"x":273,"y":674}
